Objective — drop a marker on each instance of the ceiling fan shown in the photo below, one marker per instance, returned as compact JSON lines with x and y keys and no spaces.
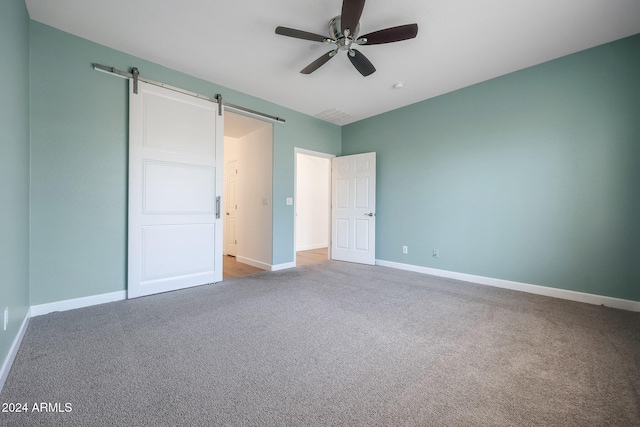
{"x":343,"y":34}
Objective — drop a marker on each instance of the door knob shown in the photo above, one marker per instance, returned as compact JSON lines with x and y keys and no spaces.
{"x":369,"y":214}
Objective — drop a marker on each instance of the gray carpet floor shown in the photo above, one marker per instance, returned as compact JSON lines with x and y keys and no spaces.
{"x":332,"y":344}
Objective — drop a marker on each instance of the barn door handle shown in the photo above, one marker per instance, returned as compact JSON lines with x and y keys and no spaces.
{"x":218,"y":207}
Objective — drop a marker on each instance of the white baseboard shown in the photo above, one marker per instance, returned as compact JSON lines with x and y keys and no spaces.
{"x":264,"y":265}
{"x":70,"y":304}
{"x":278,"y":267}
{"x":622,"y":304}
{"x":311,"y":247}
{"x":6,"y":365}
{"x":253,"y":262}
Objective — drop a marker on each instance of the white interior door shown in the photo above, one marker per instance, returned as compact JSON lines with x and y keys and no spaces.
{"x":353,"y":208}
{"x":175,"y":176}
{"x":231,"y":209}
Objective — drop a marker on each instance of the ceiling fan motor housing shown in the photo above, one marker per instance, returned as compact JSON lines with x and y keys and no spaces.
{"x":342,"y":42}
{"x":345,"y":38}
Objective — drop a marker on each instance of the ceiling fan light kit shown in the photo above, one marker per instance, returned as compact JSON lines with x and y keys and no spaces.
{"x":343,"y":34}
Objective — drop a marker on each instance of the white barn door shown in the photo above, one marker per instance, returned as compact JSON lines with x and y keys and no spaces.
{"x":175,"y":177}
{"x":353,"y":208}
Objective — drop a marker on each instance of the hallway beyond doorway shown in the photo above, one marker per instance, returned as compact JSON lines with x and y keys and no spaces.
{"x":233,"y":268}
{"x":313,"y":256}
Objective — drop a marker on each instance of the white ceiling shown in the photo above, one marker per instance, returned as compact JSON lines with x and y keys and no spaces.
{"x":233,"y":43}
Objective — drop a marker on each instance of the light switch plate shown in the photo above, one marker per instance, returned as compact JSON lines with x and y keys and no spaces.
{"x":289,"y":201}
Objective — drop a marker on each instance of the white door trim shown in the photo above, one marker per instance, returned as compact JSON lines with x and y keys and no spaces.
{"x":230,"y":211}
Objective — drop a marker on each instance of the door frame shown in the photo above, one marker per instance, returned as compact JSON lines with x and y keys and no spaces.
{"x":225,"y":209}
{"x":312,"y":153}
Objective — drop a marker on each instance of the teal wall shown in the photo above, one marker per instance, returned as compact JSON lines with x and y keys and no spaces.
{"x":14,"y":168}
{"x":528,"y":177}
{"x":531,"y":177}
{"x":79,"y":163}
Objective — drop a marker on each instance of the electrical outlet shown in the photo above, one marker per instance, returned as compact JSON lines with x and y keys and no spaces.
{"x":6,"y":317}
{"x":436,"y":253}
{"x":405,"y":250}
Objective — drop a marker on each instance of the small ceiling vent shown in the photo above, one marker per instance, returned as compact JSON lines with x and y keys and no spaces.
{"x":335,"y":115}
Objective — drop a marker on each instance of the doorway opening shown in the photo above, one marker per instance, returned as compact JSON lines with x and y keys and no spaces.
{"x":312,"y":206}
{"x":247,"y":195}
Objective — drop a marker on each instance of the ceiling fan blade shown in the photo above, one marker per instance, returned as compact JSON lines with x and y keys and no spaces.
{"x":299,"y":34}
{"x":351,"y":12}
{"x":393,"y":34}
{"x":318,"y":62}
{"x":362,"y":64}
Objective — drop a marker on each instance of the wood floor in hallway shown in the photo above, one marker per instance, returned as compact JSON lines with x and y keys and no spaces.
{"x":233,"y":268}
{"x":313,"y":256}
